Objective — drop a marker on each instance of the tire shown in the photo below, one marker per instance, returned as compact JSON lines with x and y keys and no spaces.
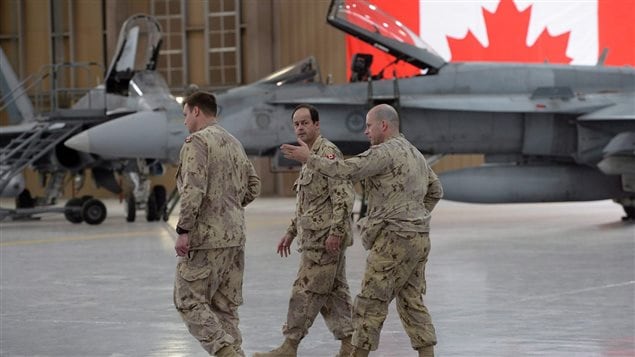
{"x":630,"y":212}
{"x":72,"y":215}
{"x":160,"y":198}
{"x":94,"y":211}
{"x":152,"y":213}
{"x":24,"y":200}
{"x":131,"y":208}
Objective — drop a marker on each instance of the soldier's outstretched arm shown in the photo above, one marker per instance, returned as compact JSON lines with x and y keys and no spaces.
{"x":366,"y":164}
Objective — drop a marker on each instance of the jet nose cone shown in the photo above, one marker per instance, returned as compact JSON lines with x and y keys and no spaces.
{"x":138,"y":135}
{"x":79,"y":142}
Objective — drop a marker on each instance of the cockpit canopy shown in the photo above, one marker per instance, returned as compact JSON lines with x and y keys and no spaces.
{"x":304,"y":71}
{"x":370,"y":24}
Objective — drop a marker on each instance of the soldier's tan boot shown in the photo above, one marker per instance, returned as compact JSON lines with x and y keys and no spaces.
{"x":426,"y":351}
{"x":227,"y":351}
{"x":289,"y":348}
{"x":346,"y":348}
{"x":359,"y":352}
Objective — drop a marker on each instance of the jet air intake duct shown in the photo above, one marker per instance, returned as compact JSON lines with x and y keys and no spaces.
{"x":66,"y":158}
{"x":540,"y":183}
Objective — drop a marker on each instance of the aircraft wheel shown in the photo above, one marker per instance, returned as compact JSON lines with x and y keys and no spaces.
{"x":24,"y":200}
{"x":630,"y":213}
{"x":131,"y":208}
{"x":72,"y":215}
{"x":93,"y":211}
{"x":160,"y":198}
{"x":152,"y":213}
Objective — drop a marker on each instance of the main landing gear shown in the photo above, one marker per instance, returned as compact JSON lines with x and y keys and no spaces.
{"x":85,"y":209}
{"x":77,"y":210}
{"x":155,"y":205}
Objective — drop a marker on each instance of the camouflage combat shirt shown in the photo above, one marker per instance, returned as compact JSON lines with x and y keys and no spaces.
{"x":322,"y":202}
{"x":216,"y":181}
{"x":401,"y":188}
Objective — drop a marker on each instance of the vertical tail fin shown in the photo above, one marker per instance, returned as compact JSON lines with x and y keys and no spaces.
{"x":14,"y":97}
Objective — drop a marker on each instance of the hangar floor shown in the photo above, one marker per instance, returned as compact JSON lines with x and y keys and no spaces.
{"x":503,"y":280}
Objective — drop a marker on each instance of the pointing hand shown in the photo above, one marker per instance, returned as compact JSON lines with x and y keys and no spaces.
{"x":298,"y":153}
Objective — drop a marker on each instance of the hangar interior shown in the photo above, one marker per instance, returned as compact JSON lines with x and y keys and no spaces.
{"x":214,"y":44}
{"x":546,"y":279}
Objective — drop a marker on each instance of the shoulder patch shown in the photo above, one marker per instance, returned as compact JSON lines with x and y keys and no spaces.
{"x":188,"y":138}
{"x":330,"y":156}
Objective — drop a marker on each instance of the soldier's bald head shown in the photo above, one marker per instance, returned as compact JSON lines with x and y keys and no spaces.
{"x":386,"y":113}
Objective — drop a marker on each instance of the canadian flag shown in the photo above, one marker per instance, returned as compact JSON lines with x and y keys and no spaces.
{"x":554,"y":31}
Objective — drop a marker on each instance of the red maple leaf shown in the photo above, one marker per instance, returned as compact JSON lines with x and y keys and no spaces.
{"x":507,"y":32}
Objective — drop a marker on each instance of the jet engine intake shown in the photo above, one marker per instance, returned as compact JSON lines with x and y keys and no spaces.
{"x":66,"y":158}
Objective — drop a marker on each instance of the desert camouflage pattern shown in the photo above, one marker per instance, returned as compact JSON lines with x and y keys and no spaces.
{"x":402,"y":191}
{"x":322,"y":202}
{"x":400,"y":187}
{"x":323,"y":208}
{"x":320,"y":287}
{"x":216,"y":181}
{"x":207,"y":294}
{"x":395,"y":268}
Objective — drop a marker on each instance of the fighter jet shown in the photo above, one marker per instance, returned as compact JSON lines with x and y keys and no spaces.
{"x":548,"y":132}
{"x":131,"y":85}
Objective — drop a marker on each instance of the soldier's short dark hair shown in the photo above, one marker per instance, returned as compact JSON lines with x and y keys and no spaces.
{"x":315,"y":116}
{"x":205,"y":101}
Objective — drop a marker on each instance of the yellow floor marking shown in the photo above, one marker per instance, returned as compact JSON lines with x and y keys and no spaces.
{"x":79,"y":238}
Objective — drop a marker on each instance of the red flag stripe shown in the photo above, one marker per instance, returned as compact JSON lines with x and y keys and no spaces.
{"x":616,"y":27}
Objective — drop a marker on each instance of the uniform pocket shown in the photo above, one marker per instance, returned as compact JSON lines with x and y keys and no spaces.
{"x":370,"y":231}
{"x":320,"y":257}
{"x":315,"y":222}
{"x":379,"y":279}
{"x":305,"y":178}
{"x":191,"y":272}
{"x":318,"y":271}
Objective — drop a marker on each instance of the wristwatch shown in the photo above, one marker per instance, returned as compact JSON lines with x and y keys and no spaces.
{"x":180,"y":230}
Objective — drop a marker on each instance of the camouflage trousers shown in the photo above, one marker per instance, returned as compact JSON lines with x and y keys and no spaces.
{"x":207,"y":293}
{"x":320,"y":287}
{"x":395,"y":268}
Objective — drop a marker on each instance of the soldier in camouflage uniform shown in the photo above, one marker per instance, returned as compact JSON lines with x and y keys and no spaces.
{"x":402,"y":191}
{"x":215,"y":180}
{"x":322,"y":223}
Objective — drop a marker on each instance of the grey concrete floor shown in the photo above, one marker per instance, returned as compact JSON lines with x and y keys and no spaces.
{"x":503,"y":280}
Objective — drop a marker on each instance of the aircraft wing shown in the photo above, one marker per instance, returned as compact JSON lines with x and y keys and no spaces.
{"x":515,"y":103}
{"x":623,"y":109}
{"x":320,"y":101}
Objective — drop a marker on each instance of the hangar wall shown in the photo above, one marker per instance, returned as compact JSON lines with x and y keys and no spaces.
{"x":269,"y":35}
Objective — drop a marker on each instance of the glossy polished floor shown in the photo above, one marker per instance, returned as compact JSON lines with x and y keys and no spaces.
{"x":503,"y":280}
